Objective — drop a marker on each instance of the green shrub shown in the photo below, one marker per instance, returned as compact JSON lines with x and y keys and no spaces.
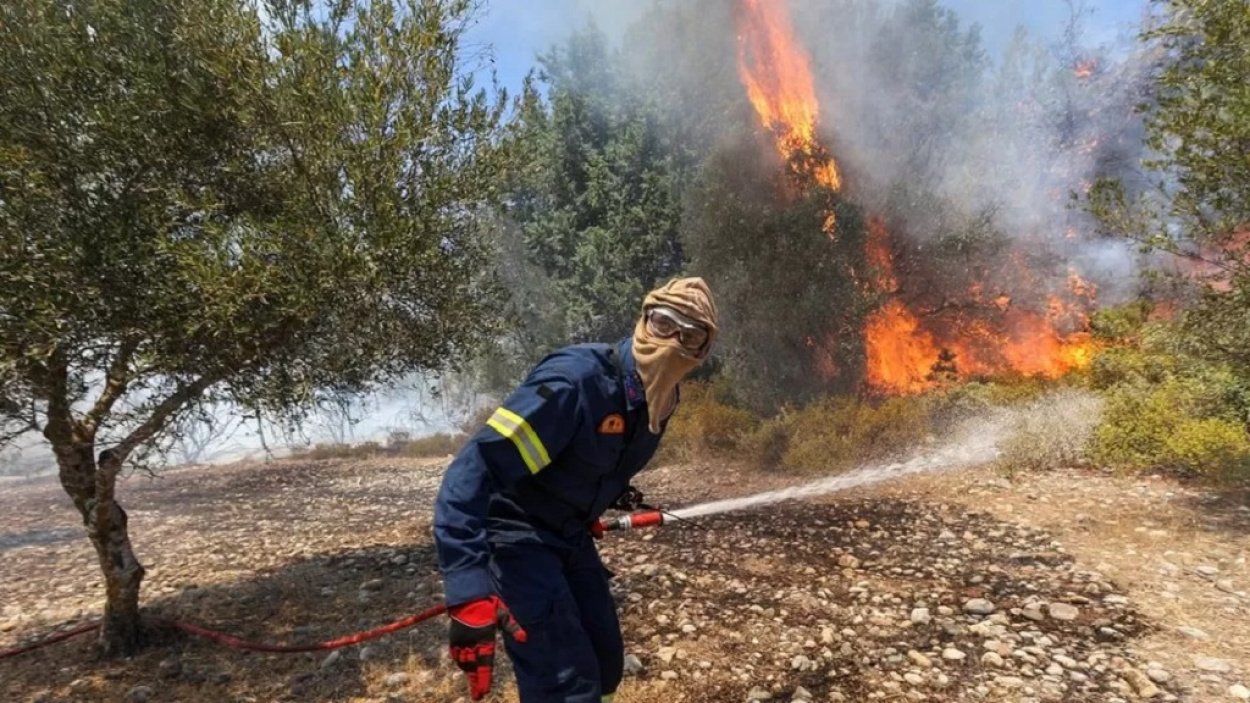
{"x":704,"y":423}
{"x":898,"y":424}
{"x":1185,"y":423}
{"x":820,"y":435}
{"x":765,"y":446}
{"x":974,"y":398}
{"x":1131,"y":365}
{"x":1215,"y":447}
{"x":1122,"y":322}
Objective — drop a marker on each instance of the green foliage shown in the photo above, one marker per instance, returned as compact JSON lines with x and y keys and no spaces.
{"x":195,"y":208}
{"x":704,"y":423}
{"x":766,"y":447}
{"x":777,"y":276}
{"x":1216,"y":447}
{"x":1133,"y":366}
{"x":1170,"y":409}
{"x":1182,"y":424}
{"x":1121,"y":322}
{"x":198,"y":210}
{"x":594,"y":209}
{"x":958,"y":403}
{"x":1197,"y":205}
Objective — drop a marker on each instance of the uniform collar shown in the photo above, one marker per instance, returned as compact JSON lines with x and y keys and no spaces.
{"x":635,"y":394}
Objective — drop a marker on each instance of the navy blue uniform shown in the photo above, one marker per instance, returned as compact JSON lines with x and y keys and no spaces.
{"x":513,"y":515}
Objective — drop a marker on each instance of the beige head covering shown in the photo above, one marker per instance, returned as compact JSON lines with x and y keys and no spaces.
{"x":663,"y":362}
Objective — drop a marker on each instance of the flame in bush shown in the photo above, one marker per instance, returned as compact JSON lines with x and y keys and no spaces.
{"x":985,"y":338}
{"x":905,"y":350}
{"x":908,"y":349}
{"x":779,"y":83}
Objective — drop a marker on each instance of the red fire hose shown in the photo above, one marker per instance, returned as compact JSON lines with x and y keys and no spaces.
{"x":648,"y":518}
{"x":236,"y":643}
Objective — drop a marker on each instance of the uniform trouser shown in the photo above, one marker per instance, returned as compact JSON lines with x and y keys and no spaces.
{"x":574,"y":652}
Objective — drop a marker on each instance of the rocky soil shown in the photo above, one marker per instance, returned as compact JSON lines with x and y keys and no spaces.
{"x":964,"y":587}
{"x":878,"y":600}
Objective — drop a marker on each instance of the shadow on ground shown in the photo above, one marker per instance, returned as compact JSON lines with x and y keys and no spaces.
{"x":38,"y":538}
{"x":1226,"y":510}
{"x":314,"y":600}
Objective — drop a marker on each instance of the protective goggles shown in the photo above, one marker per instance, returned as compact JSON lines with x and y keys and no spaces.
{"x":665,"y":322}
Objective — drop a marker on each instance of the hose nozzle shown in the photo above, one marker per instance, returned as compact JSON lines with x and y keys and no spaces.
{"x":649,"y":518}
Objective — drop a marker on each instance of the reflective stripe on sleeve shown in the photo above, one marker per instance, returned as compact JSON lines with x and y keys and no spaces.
{"x":515,"y":428}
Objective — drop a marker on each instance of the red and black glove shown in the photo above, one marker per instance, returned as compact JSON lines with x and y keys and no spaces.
{"x":629,"y":500}
{"x":472,"y":639}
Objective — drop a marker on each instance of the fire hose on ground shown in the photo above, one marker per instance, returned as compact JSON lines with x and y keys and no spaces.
{"x":649,"y":518}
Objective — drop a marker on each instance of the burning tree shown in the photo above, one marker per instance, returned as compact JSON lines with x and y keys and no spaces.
{"x":870,"y":205}
{"x":201,"y":206}
{"x":763,"y":233}
{"x":948,"y":282}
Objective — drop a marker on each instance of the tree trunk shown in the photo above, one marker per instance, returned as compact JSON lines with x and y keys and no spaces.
{"x":91,"y":487}
{"x":120,"y":632}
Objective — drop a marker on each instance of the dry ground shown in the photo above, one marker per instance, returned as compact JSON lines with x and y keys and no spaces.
{"x":1094,"y":581}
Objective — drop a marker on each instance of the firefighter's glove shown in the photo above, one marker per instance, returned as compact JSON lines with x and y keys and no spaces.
{"x":472,"y":639}
{"x":628,"y":501}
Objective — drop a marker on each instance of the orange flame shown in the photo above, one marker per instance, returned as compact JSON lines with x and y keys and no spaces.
{"x":877,"y":253}
{"x":1085,"y":69}
{"x":779,"y":83}
{"x":900,"y":354}
{"x":902,"y":348}
{"x":988,"y":332}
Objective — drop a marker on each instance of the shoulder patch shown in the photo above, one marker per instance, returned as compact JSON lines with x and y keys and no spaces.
{"x":612,"y":424}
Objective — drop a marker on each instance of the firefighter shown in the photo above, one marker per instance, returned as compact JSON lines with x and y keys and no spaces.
{"x":513,"y":515}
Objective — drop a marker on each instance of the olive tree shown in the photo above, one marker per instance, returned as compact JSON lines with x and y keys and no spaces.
{"x":210,"y":202}
{"x":1194,"y":201}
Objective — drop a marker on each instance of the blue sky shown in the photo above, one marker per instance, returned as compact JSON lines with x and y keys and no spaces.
{"x":515,"y":30}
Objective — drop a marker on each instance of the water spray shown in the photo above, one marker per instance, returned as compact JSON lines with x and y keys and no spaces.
{"x":976,"y":444}
{"x":973,"y":443}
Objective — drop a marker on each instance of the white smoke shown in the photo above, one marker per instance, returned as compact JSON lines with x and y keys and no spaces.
{"x":1007,"y":147}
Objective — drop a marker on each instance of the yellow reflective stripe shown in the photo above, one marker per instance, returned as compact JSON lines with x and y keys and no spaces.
{"x":530,"y":434}
{"x":510,"y":431}
{"x":515,"y":428}
{"x":608,"y":698}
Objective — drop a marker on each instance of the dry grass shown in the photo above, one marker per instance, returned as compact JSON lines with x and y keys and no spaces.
{"x":1052,"y":431}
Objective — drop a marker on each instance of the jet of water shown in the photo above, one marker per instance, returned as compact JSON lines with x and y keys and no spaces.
{"x":974,"y":444}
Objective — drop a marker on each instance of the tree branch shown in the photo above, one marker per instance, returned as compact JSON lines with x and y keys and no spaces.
{"x":59,"y":429}
{"x":116,"y":381}
{"x":157,"y":420}
{"x":14,"y":415}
